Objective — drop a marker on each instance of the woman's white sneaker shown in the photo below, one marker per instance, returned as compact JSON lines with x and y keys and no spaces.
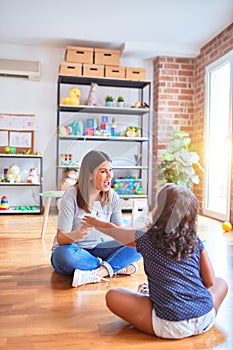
{"x":128,"y":270}
{"x":84,"y":277}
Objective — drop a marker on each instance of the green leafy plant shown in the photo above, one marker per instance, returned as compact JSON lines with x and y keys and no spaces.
{"x":120,"y":99}
{"x":179,"y":162}
{"x":109,"y":98}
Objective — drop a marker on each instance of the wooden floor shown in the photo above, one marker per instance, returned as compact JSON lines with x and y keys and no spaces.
{"x":40,"y":310}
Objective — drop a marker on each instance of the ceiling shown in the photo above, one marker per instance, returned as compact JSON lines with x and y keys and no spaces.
{"x":145,"y":28}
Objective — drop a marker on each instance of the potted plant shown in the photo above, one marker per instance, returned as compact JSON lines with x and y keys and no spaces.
{"x":179,"y":162}
{"x":120,"y":101}
{"x":108,"y":101}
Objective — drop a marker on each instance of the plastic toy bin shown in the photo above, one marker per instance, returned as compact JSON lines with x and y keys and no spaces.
{"x":128,"y":186}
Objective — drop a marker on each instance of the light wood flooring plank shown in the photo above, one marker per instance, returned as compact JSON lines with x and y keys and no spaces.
{"x":40,"y":310}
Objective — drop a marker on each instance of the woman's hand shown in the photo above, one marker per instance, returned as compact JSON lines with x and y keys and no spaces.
{"x":82,"y":231}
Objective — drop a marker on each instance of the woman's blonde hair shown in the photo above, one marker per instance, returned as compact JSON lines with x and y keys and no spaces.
{"x":89,"y":163}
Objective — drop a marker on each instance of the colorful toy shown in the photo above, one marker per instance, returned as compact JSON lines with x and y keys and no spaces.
{"x":75,"y":128}
{"x":66,"y":158}
{"x":104,"y":126}
{"x":133,"y":131}
{"x":5,"y":170}
{"x":33,"y":177}
{"x":90,"y":127}
{"x":73,"y":98}
{"x":141,"y":105}
{"x":226,"y":226}
{"x":4,"y":203}
{"x":23,"y":208}
{"x":30,"y":152}
{"x":10,"y":150}
{"x":114,"y":131}
{"x":64,"y":130}
{"x":92,"y":98}
{"x":128,"y":185}
{"x":13,"y":174}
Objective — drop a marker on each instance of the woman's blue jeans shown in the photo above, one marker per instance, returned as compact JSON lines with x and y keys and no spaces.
{"x":111,"y":254}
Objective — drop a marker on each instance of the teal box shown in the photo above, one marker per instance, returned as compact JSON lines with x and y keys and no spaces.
{"x":90,"y":123}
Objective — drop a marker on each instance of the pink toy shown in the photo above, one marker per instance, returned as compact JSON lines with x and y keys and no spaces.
{"x":92,"y":99}
{"x":33,"y":177}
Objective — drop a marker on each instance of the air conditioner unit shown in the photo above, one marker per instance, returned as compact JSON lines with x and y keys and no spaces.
{"x":19,"y":68}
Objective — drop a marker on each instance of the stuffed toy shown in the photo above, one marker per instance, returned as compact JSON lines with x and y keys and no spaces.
{"x":74,"y":129}
{"x":133,"y":131}
{"x":141,"y":105}
{"x":73,"y":98}
{"x":64,"y":130}
{"x":13,"y":174}
{"x":69,"y":178}
{"x":92,"y":98}
{"x":33,"y":177}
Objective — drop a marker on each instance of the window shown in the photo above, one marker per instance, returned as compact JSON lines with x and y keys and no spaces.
{"x":218,"y":140}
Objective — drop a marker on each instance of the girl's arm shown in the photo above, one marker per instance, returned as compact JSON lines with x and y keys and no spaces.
{"x":120,"y":234}
{"x":206,"y":269}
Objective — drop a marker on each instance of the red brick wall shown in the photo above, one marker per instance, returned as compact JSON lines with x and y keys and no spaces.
{"x":179,"y":99}
{"x":173,"y":97}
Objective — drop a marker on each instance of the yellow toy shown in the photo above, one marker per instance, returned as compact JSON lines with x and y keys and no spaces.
{"x":13,"y":174}
{"x":226,"y":226}
{"x":133,"y":131}
{"x":73,"y":98}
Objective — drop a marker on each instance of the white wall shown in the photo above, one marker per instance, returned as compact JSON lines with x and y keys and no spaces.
{"x":35,"y":97}
{"x":40,"y":97}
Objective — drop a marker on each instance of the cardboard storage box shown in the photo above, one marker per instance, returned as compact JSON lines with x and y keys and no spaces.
{"x":79,"y":54}
{"x":115,"y":72}
{"x":107,"y":57}
{"x":93,"y":70}
{"x":135,"y":73}
{"x":73,"y":69}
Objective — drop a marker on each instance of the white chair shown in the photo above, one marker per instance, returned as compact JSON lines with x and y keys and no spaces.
{"x":139,"y":213}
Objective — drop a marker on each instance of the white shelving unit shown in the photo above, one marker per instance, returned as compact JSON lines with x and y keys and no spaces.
{"x":22,"y":195}
{"x":121,"y":148}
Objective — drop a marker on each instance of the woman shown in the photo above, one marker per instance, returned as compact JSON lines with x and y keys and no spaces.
{"x":184,"y":295}
{"x":82,"y":251}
